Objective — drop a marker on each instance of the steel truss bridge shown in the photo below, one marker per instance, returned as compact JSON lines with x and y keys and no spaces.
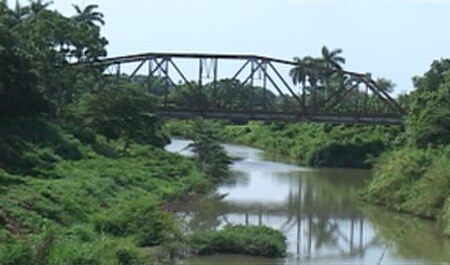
{"x":355,"y":99}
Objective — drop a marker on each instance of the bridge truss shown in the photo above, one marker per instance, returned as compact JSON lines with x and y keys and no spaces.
{"x":341,"y":97}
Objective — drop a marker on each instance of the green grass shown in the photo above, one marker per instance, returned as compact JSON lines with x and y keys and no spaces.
{"x":239,"y":239}
{"x":96,"y":208}
{"x":415,"y":181}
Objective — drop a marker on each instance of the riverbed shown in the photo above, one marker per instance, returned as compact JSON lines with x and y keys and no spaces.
{"x":318,"y":210}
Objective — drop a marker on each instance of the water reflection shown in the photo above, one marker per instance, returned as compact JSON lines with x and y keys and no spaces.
{"x":318,"y":211}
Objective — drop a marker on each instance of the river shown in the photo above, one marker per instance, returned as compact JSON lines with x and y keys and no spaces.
{"x":317,"y":209}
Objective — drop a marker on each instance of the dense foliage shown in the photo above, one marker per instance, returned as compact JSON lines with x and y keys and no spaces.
{"x":310,"y":144}
{"x":98,"y":201}
{"x":210,"y":155}
{"x":416,"y":178}
{"x":83,"y":178}
{"x":36,"y":48}
{"x":318,"y":144}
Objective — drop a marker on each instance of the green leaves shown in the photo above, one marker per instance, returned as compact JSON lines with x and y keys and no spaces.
{"x":124,"y":112}
{"x":429,"y":115}
{"x":211,"y":156}
{"x":36,"y":47}
{"x":88,"y":15}
{"x":239,"y":239}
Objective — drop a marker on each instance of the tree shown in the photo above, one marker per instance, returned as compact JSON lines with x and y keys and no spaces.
{"x":332,"y":59}
{"x":385,"y":84}
{"x":125,"y":112}
{"x":298,"y":73}
{"x":210,"y":155}
{"x":51,"y":42}
{"x":88,"y":16}
{"x":19,"y":94}
{"x":429,"y":114}
{"x":37,"y":6}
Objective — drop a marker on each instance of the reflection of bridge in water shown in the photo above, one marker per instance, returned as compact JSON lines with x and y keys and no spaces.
{"x":337,"y":237}
{"x":316,"y":226}
{"x":308,"y":235}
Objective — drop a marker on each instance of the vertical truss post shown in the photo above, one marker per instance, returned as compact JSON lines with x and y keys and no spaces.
{"x":264,"y":86}
{"x":314,"y":91}
{"x":200,"y":83}
{"x":366,"y":99}
{"x":150,"y":75}
{"x":303,"y":97}
{"x":215,"y":69}
{"x":118,"y":70}
{"x":166,"y":81}
{"x":252,"y":82}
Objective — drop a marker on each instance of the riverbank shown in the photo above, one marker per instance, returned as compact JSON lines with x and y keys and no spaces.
{"x":70,"y":196}
{"x":415,"y":181}
{"x":67,"y":198}
{"x":311,"y":144}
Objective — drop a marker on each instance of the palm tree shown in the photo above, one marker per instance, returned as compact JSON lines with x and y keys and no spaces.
{"x":332,"y":59}
{"x":37,"y":6}
{"x":88,"y":15}
{"x":19,"y":12}
{"x":312,"y":66}
{"x":298,"y":73}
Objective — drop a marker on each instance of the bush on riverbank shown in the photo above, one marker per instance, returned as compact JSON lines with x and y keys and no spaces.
{"x":413,"y":180}
{"x":318,"y":144}
{"x":239,"y":239}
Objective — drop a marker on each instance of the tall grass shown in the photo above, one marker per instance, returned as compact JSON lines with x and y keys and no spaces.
{"x":415,"y":181}
{"x":94,"y":208}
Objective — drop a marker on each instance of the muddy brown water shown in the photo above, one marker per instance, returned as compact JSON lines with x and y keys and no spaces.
{"x":317,"y":209}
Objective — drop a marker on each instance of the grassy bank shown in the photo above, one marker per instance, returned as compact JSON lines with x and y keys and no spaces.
{"x":413,"y":180}
{"x":67,"y":199}
{"x":68,"y":196}
{"x":312,"y":144}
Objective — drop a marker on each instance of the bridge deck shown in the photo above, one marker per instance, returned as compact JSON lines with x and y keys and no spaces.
{"x":282,"y":116}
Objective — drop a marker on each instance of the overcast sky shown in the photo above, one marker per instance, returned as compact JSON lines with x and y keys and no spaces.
{"x":396,"y":39}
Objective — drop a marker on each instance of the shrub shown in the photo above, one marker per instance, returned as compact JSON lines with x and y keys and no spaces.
{"x":17,"y":253}
{"x":127,"y":256}
{"x":412,"y":180}
{"x":142,"y":218}
{"x":248,"y":240}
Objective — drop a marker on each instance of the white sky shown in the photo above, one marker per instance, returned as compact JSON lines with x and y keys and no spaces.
{"x":396,"y":39}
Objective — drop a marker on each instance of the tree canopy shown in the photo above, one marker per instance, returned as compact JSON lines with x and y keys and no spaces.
{"x":429,"y":113}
